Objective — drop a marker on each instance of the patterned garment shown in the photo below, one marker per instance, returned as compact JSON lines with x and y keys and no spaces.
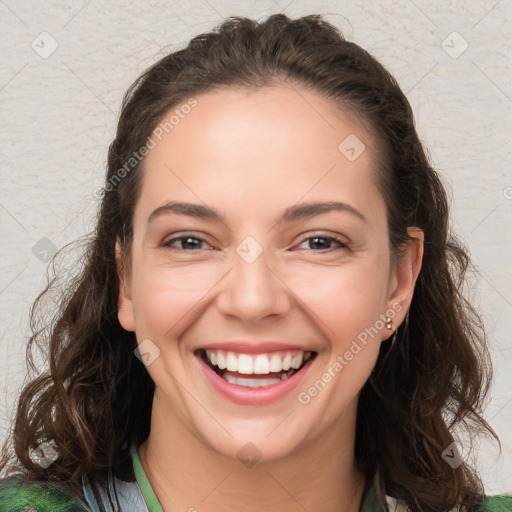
{"x":138,"y":496}
{"x":16,"y":496}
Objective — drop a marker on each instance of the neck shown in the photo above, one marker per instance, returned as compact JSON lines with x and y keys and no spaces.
{"x":319,"y":476}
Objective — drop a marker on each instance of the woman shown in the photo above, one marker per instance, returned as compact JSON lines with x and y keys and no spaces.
{"x":269,"y":316}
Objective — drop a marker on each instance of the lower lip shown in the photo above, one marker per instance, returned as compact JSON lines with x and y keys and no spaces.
{"x":264,"y":395}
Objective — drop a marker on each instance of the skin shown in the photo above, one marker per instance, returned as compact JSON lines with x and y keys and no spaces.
{"x":250,"y":155}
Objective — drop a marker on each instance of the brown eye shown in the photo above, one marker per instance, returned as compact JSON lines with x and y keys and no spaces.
{"x":323,"y":242}
{"x":187,"y":242}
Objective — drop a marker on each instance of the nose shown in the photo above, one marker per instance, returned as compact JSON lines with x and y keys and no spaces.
{"x":253,"y":290}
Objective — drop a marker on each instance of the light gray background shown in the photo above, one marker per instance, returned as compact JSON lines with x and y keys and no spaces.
{"x":59,"y":113}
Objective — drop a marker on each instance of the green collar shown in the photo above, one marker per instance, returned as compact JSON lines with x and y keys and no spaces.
{"x":147,"y":491}
{"x":370,"y":500}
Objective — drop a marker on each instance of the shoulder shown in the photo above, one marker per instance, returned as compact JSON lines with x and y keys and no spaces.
{"x":19,"y":496}
{"x":498,"y":503}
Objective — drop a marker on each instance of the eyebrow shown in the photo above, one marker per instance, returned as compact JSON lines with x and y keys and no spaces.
{"x":293,"y":213}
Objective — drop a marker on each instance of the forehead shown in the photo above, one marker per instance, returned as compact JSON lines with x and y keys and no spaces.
{"x":278,"y":144}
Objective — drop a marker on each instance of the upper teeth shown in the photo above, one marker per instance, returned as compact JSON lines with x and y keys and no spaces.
{"x":256,"y":363}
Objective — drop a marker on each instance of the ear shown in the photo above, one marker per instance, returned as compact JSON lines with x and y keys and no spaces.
{"x":125,"y":312}
{"x":403,"y":279}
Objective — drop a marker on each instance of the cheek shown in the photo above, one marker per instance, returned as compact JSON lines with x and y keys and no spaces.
{"x":345,"y":300}
{"x":342,"y":300}
{"x":165,"y":296}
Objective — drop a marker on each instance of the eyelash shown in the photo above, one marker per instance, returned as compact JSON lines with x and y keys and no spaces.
{"x":341,"y":244}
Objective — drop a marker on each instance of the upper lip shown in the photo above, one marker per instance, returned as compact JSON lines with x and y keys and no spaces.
{"x":254,"y":347}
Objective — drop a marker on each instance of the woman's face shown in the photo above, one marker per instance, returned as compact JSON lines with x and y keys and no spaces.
{"x":259,"y":272}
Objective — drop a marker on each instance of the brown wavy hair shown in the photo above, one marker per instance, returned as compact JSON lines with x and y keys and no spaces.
{"x":96,"y":398}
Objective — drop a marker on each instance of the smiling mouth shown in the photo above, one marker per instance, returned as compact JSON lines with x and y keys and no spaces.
{"x":255,"y":371}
